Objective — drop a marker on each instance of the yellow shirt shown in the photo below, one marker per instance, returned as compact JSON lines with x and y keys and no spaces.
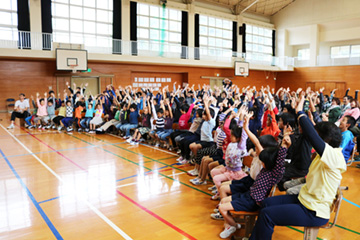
{"x":322,"y":181}
{"x":62,"y":111}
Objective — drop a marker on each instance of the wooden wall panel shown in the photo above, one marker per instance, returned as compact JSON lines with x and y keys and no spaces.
{"x":37,"y":75}
{"x":343,"y":76}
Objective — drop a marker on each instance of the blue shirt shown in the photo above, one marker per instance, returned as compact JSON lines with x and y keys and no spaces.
{"x":133,"y":117}
{"x":347,"y":144}
{"x":206,"y":130}
{"x":89,"y":112}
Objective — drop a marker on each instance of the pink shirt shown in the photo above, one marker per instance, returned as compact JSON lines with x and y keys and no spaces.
{"x":42,"y":109}
{"x":184,"y":119}
{"x":355,"y":112}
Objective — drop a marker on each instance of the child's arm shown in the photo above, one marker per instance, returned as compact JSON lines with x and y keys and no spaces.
{"x":170,"y":110}
{"x":206,"y":106}
{"x":252,"y":137}
{"x":153,"y":109}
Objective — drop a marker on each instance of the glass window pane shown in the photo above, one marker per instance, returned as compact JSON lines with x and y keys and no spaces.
{"x":261,"y":31}
{"x":248,"y":38}
{"x":154,"y":34}
{"x":211,"y":21}
{"x":6,"y":5}
{"x":219,"y":33}
{"x":76,"y":25}
{"x":219,"y":23}
{"x":227,"y":34}
{"x":174,"y":26}
{"x":89,"y":27}
{"x":76,"y":12}
{"x":102,"y":16}
{"x":76,"y":2}
{"x":14,"y":19}
{"x":174,"y":37}
{"x":6,"y":34}
{"x":102,"y":28}
{"x":227,"y":25}
{"x":61,"y":37}
{"x":248,"y":29}
{"x":219,"y":42}
{"x":212,"y":32}
{"x":89,"y":14}
{"x":60,"y":10}
{"x":76,"y":38}
{"x":90,"y":40}
{"x":143,"y":33}
{"x":355,"y":50}
{"x":5,"y":18}
{"x":203,"y":20}
{"x":143,"y":9}
{"x":211,"y":41}
{"x":102,"y":4}
{"x":255,"y":30}
{"x":89,"y":3}
{"x":154,"y":23}
{"x":203,"y":41}
{"x":61,"y":24}
{"x":143,"y":21}
{"x":203,"y":30}
{"x":154,"y":11}
{"x":173,"y":14}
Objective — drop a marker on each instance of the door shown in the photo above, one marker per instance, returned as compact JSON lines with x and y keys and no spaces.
{"x":93,"y":84}
{"x":215,"y":82}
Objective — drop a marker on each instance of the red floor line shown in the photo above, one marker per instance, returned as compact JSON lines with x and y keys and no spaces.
{"x":156,"y":216}
{"x":59,"y":153}
{"x":123,"y":195}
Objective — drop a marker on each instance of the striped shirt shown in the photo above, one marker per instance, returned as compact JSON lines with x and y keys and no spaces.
{"x":219,"y":137}
{"x":160,"y":123}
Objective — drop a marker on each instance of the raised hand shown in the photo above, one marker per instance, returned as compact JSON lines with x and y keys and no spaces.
{"x":286,"y":142}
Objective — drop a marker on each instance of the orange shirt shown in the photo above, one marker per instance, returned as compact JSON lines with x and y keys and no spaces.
{"x":273,"y":129}
{"x":78,"y":111}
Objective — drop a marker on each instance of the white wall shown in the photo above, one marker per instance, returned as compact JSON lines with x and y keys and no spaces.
{"x":318,"y":24}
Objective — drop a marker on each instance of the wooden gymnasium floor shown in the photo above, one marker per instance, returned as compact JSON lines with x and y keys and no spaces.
{"x":82,"y":186}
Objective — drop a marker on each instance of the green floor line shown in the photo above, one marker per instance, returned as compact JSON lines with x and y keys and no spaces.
{"x":167,"y":158}
{"x":139,"y":154}
{"x":142,"y":166}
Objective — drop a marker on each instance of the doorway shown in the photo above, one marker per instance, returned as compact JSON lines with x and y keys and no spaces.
{"x":93,"y":84}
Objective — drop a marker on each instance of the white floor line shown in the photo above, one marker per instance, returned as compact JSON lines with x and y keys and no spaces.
{"x":134,"y":183}
{"x":95,"y":210}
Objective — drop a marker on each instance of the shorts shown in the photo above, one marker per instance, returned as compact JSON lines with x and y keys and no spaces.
{"x":143,"y":130}
{"x":244,"y":202}
{"x":218,"y":156}
{"x":241,"y":186}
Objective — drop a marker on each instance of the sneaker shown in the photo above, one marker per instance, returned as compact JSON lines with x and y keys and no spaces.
{"x":214,"y":191}
{"x":91,"y":131}
{"x":26,"y":125}
{"x":53,"y":127}
{"x":212,"y":188}
{"x":178,"y":151}
{"x":185,"y":161}
{"x":217,"y":216}
{"x":193,"y":172}
{"x":134,"y":143}
{"x":59,"y":128}
{"x":11,"y":126}
{"x":157,"y":145}
{"x":198,"y":183}
{"x":129,"y":140}
{"x":48,"y":127}
{"x":43,"y":128}
{"x":31,"y":127}
{"x":358,"y":165}
{"x":79,"y":129}
{"x":70,"y":129}
{"x":215,"y":197}
{"x":99,"y":129}
{"x":39,"y":127}
{"x":194,"y":180}
{"x":228,"y":231}
{"x":180,"y":159}
{"x":125,"y":137}
{"x":216,"y":210}
{"x":86,"y":130}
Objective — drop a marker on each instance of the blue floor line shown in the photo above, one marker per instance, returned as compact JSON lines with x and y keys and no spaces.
{"x":356,"y":205}
{"x":36,"y":204}
{"x":50,"y":199}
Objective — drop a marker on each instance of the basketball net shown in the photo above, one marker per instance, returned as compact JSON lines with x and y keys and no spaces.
{"x":73,"y":68}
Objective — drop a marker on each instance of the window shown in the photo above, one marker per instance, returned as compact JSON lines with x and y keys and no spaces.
{"x":303,"y":54}
{"x":8,"y":23}
{"x":215,"y":36}
{"x":86,"y":22}
{"x":345,"y":51}
{"x":158,"y":28}
{"x":258,"y":42}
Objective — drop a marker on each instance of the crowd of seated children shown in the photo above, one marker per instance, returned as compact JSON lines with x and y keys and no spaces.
{"x":216,"y":129}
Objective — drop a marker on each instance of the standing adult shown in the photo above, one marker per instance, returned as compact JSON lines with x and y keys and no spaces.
{"x":21,"y":110}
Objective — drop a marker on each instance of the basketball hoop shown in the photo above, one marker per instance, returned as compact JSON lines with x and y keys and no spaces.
{"x":73,"y":68}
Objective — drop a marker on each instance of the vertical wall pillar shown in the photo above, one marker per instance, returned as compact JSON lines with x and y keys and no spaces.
{"x":314,"y":44}
{"x":239,"y":39}
{"x":35,"y":24}
{"x":125,"y":28}
{"x":191,"y":30}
